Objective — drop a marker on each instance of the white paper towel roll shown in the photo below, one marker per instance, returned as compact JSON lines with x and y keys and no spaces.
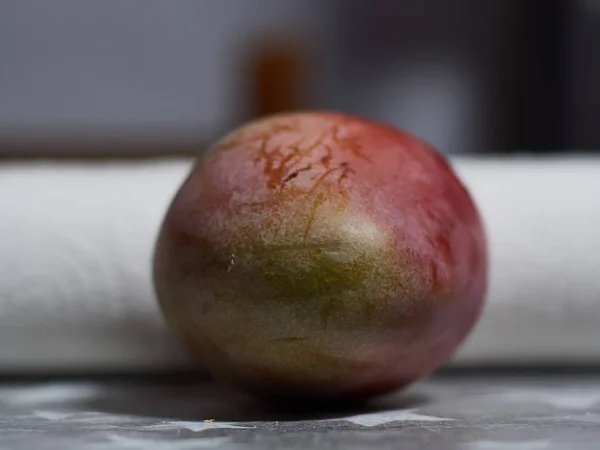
{"x":76,"y":243}
{"x":75,"y":249}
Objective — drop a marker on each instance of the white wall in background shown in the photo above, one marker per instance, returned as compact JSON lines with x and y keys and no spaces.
{"x":131,"y":63}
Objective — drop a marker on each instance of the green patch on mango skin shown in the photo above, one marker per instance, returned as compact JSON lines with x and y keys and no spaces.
{"x":345,"y":259}
{"x":343,"y":281}
{"x":315,"y":271}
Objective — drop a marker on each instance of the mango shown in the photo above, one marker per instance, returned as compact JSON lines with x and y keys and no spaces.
{"x":317,"y":254}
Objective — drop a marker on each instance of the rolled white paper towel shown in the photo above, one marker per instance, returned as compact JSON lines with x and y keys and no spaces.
{"x":76,"y":243}
{"x":543,"y":223}
{"x":75,"y":253}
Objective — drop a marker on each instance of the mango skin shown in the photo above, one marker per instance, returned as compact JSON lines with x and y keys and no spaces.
{"x":318,"y":254}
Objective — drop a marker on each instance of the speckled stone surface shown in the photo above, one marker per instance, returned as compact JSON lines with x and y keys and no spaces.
{"x":466,"y":411}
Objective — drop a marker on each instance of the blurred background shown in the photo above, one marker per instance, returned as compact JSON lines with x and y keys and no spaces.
{"x":146,"y":76}
{"x":512,"y":82}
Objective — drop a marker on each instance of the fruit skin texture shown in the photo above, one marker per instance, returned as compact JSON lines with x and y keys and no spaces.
{"x":318,"y":254}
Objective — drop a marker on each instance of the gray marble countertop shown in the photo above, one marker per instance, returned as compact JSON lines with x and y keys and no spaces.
{"x":456,"y":411}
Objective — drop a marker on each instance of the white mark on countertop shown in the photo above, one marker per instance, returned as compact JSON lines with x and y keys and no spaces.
{"x":508,"y":445}
{"x":118,"y":442}
{"x":194,"y":426}
{"x":51,"y":415}
{"x":384,"y":417}
{"x":559,"y":398}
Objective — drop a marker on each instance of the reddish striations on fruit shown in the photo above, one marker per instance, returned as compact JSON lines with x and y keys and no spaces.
{"x":318,"y":254}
